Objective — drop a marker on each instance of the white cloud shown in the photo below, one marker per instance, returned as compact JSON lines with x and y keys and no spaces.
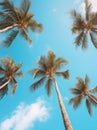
{"x":25,"y":116}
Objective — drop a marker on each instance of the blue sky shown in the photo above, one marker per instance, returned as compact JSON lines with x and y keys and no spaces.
{"x":34,"y":111}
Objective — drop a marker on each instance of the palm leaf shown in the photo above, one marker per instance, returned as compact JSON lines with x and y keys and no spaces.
{"x":93,"y":36}
{"x":2,"y":71}
{"x":80,"y":84}
{"x":50,"y":58}
{"x":93,"y":90}
{"x":76,"y":101}
{"x":3,"y":91}
{"x":84,"y":40}
{"x":19,"y":74}
{"x":48,"y":86}
{"x":8,"y":41}
{"x":58,"y":63}
{"x":75,"y":91}
{"x":38,"y":83}
{"x":37,"y":73}
{"x":13,"y":85}
{"x":87,"y":9}
{"x":87,"y":80}
{"x":65,"y":74}
{"x":88,"y":105}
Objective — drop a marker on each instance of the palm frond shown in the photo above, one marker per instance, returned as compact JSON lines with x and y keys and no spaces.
{"x":84,"y":40}
{"x":87,"y":9}
{"x":2,"y":71}
{"x":93,"y":98}
{"x":80,"y":84}
{"x":79,"y":38}
{"x":42,"y":63}
{"x":24,"y":7}
{"x":59,"y":62}
{"x":13,"y":85}
{"x":65,"y":74}
{"x":8,"y":41}
{"x":92,"y":101}
{"x":37,"y":72}
{"x":87,"y":80}
{"x":93,"y":90}
{"x":50,"y":58}
{"x":88,"y":105}
{"x":3,"y":91}
{"x":24,"y":34}
{"x":49,"y":86}
{"x":76,"y":101}
{"x":75,"y":91}
{"x":93,"y":36}
{"x":19,"y":74}
{"x":93,"y":18}
{"x":38,"y":83}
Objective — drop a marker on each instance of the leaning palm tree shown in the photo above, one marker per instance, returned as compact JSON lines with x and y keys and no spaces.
{"x":48,"y":68}
{"x":8,"y":73}
{"x":82,"y":92}
{"x":17,"y":20}
{"x":84,"y":26}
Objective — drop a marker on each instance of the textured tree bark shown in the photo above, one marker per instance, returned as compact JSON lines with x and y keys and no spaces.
{"x":2,"y":86}
{"x":66,"y":120}
{"x":8,"y":28}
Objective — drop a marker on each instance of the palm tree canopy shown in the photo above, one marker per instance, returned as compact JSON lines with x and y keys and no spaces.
{"x":17,"y":20}
{"x":48,"y":67}
{"x":82,"y":26}
{"x":82,"y":91}
{"x":9,"y":71}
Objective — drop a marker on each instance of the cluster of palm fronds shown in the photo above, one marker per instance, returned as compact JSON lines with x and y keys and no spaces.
{"x":82,"y":26}
{"x":17,"y":20}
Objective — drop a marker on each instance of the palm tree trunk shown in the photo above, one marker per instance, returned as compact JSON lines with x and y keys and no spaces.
{"x":8,"y":28}
{"x":3,"y":85}
{"x":66,"y":120}
{"x":92,"y":98}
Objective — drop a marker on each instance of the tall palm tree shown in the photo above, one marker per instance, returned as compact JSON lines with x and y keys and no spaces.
{"x":8,"y":73}
{"x":84,"y":26}
{"x":48,"y":68}
{"x":17,"y":20}
{"x":82,"y":92}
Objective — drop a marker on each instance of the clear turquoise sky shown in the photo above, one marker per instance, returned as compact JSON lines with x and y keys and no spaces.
{"x":15,"y":111}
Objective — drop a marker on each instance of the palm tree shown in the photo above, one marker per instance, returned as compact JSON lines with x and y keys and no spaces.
{"x":81,"y":92}
{"x":8,"y":73}
{"x":17,"y":20}
{"x":84,"y":26}
{"x":45,"y":72}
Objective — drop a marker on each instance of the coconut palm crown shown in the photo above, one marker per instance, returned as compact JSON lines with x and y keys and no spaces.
{"x":85,"y":26}
{"x":17,"y":20}
{"x":9,"y":71}
{"x":48,"y":68}
{"x":82,"y":92}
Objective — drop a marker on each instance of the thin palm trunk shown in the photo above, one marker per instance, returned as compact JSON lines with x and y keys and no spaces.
{"x":8,"y":28}
{"x":3,"y":85}
{"x":66,"y":120}
{"x":92,"y":98}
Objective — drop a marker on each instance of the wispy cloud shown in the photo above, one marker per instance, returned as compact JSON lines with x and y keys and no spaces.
{"x":25,"y":116}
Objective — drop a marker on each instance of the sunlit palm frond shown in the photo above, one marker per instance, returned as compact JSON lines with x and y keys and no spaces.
{"x":25,"y":36}
{"x":88,"y":105}
{"x":76,"y":101}
{"x":80,"y":84}
{"x":87,"y":80}
{"x":79,"y":38}
{"x":59,"y":62}
{"x":65,"y":74}
{"x":37,"y":84}
{"x":37,"y":73}
{"x":75,"y":91}
{"x":24,"y":7}
{"x":84,"y":40}
{"x":49,"y":86}
{"x":93,"y":90}
{"x":42,"y":63}
{"x":50,"y":58}
{"x":8,"y":41}
{"x":19,"y":74}
{"x":87,"y":9}
{"x":93,"y":36}
{"x":92,"y":101}
{"x":14,"y":85}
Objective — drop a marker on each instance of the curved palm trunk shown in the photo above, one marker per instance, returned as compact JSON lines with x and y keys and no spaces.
{"x":8,"y":28}
{"x":66,"y":120}
{"x":3,"y":85}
